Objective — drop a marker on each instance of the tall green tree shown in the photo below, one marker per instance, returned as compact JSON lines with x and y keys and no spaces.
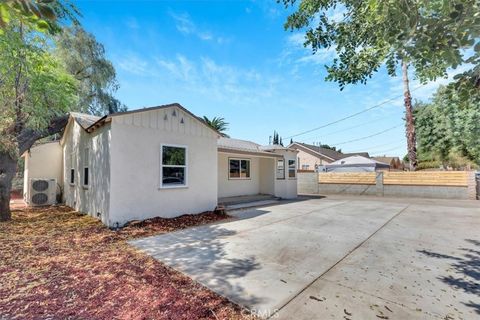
{"x":426,"y":36}
{"x":36,"y":91}
{"x":449,"y":125}
{"x":85,"y":59}
{"x":217,"y":123}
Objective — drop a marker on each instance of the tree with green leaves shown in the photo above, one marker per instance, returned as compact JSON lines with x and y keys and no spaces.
{"x":42,"y":15}
{"x":448,"y":127}
{"x":85,"y":59}
{"x":36,"y":91}
{"x":217,"y":123}
{"x":425,"y":36}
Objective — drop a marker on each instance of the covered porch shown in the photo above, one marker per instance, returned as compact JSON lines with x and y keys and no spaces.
{"x":248,"y":172}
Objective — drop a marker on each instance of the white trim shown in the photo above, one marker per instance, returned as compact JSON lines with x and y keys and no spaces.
{"x":240,"y":168}
{"x":185,"y":185}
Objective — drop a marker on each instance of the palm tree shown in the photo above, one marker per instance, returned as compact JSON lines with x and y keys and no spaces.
{"x":217,"y":123}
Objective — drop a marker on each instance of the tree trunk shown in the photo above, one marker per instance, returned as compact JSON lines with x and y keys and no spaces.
{"x":410,"y":121}
{"x":8,"y":167}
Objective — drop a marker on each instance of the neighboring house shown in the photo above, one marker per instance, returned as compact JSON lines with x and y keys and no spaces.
{"x":394,"y":162}
{"x":310,"y":156}
{"x":161,"y":161}
{"x":356,"y":164}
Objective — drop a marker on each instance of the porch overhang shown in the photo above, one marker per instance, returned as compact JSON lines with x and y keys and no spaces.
{"x":260,"y":154}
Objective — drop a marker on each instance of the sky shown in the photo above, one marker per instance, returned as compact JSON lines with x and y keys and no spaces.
{"x":234,"y":59}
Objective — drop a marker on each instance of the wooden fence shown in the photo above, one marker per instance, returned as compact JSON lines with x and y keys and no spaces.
{"x":418,"y":178}
{"x":427,"y":178}
{"x":347,"y":177}
{"x":424,"y":184}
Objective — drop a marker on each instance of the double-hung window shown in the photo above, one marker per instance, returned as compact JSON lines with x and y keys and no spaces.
{"x":280,"y":169}
{"x":86,"y":173}
{"x":174,"y":166}
{"x":291,"y":169}
{"x":238,"y":168}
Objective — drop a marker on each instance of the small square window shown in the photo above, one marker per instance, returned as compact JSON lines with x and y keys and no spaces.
{"x":239,"y":169}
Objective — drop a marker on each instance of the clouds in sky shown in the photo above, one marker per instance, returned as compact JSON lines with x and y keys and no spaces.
{"x":186,"y":26}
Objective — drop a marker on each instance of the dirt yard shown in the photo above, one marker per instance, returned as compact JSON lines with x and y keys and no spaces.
{"x":58,"y":264}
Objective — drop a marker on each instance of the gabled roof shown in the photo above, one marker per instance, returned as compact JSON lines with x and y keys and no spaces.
{"x":243,"y":147}
{"x":101,"y":121}
{"x":329,"y":153}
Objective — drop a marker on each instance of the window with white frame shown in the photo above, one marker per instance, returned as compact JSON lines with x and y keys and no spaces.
{"x":238,"y":168}
{"x":173,"y":166}
{"x":291,"y":169}
{"x":305,"y":166}
{"x":86,"y":168}
{"x":280,"y":169}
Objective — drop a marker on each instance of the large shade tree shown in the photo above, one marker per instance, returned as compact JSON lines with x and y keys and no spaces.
{"x":46,"y":70}
{"x":35,"y":93}
{"x":425,"y":36}
{"x":85,"y":59}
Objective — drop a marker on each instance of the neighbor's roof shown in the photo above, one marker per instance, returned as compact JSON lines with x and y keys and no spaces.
{"x":363,"y":154}
{"x":329,"y":153}
{"x":357,"y":161}
{"x":242,"y":147}
{"x":386,"y":159}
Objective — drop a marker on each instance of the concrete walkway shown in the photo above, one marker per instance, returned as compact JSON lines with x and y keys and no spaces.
{"x":338,"y":258}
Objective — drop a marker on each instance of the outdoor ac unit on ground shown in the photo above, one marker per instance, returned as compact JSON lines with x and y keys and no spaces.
{"x":42,"y":192}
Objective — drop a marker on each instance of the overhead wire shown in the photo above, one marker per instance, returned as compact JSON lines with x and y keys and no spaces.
{"x":352,"y":115}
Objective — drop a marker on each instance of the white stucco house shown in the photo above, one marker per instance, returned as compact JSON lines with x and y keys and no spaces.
{"x":162,"y":161}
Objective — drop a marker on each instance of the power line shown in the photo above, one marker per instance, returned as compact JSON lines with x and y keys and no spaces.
{"x":352,"y":127}
{"x":352,"y":115}
{"x":377,"y":146}
{"x":366,"y":137}
{"x":379,"y":153}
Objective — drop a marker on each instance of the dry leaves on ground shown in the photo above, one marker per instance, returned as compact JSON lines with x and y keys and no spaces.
{"x":58,"y":264}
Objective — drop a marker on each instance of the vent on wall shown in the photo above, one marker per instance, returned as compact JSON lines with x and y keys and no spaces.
{"x":42,"y":192}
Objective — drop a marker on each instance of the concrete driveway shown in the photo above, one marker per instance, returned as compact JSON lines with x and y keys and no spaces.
{"x":338,"y":258}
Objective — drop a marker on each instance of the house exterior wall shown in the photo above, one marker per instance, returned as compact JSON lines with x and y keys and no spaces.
{"x":135,"y":192}
{"x":237,"y":187}
{"x":307,"y":161}
{"x":95,"y":198}
{"x":42,"y":162}
{"x":287,"y":188}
